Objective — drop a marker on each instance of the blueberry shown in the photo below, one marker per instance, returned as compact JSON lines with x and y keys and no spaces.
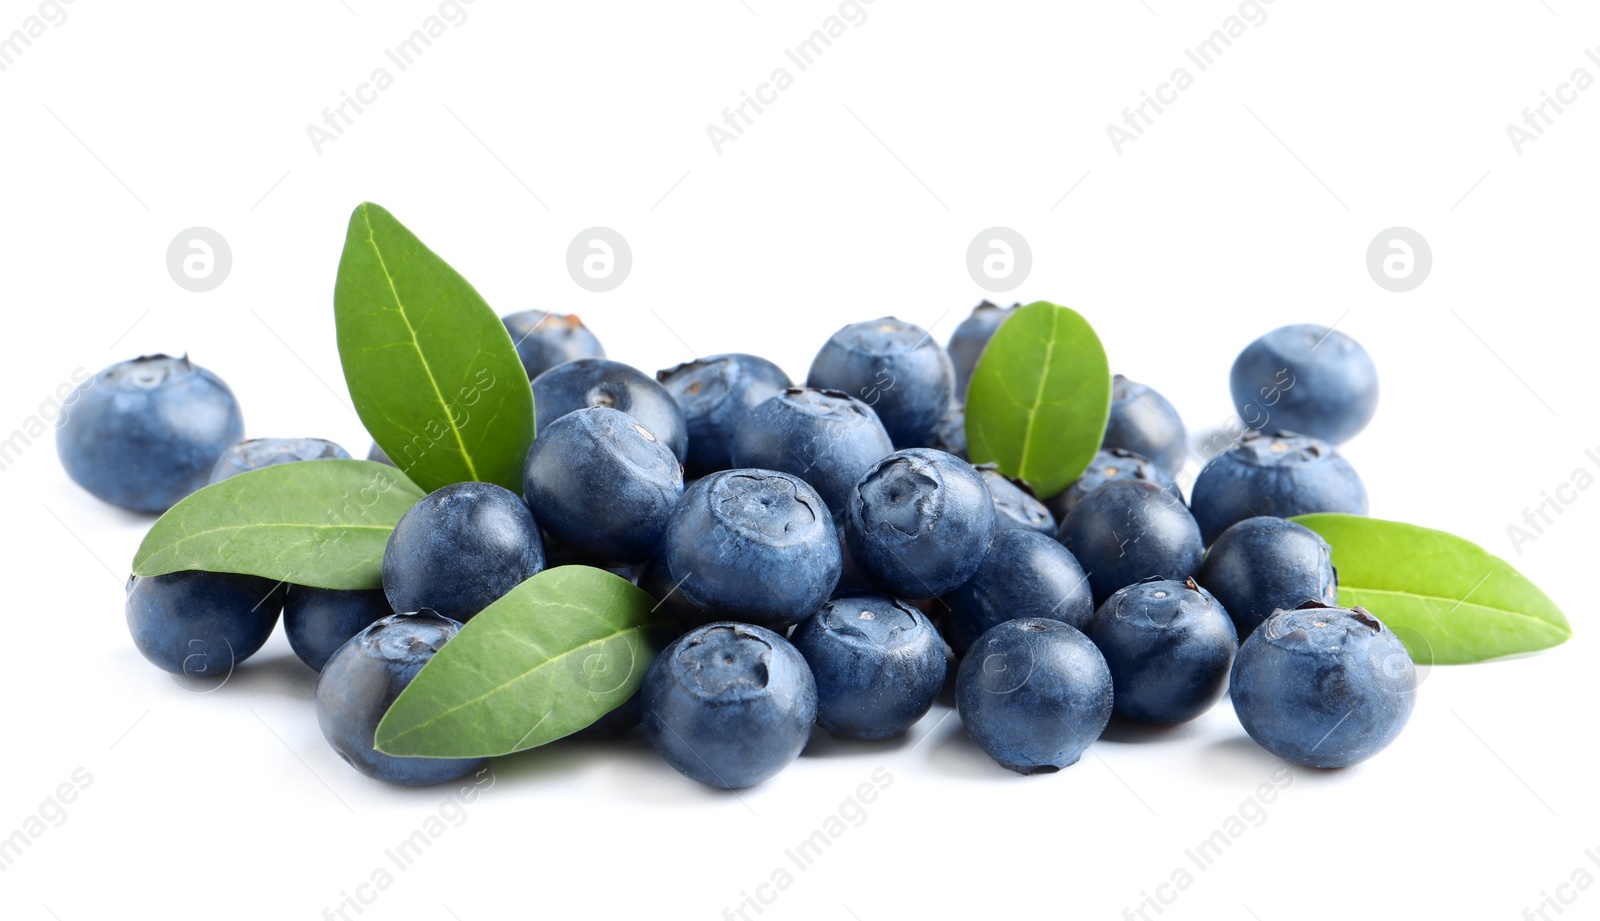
{"x":825,"y":437}
{"x":364,"y":677}
{"x":201,"y":624}
{"x":1263,"y":564}
{"x":376,"y":453}
{"x":1015,"y":504}
{"x":893,"y":366}
{"x":1322,"y":686}
{"x":1110,"y":466}
{"x":1129,"y":530}
{"x":950,"y":435}
{"x":729,"y":705}
{"x":715,"y":394}
{"x":1024,"y":574}
{"x":602,"y":485}
{"x":1306,"y":378}
{"x":1033,"y":694}
{"x":586,"y":382}
{"x":969,"y":338}
{"x":878,"y":665}
{"x":255,"y":453}
{"x":620,"y":720}
{"x":1280,"y":475}
{"x":146,"y":432}
{"x":1168,"y":645}
{"x":919,"y":522}
{"x":755,"y":546}
{"x":319,"y":620}
{"x":1144,"y":422}
{"x":544,"y":339}
{"x":460,"y":548}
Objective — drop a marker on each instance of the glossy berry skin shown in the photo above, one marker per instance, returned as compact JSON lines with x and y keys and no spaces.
{"x":878,"y":664}
{"x":896,"y":368}
{"x":1169,"y":646}
{"x":969,"y":338}
{"x":364,"y":677}
{"x":715,"y":394}
{"x":602,"y":485}
{"x":545,"y":339}
{"x":1033,"y":694}
{"x":460,"y":548}
{"x":201,"y":624}
{"x":586,"y":382}
{"x":1306,"y":378}
{"x":318,"y":621}
{"x":1024,"y":574}
{"x":1322,"y":686}
{"x":1144,"y":422}
{"x":754,"y":546}
{"x":255,"y":453}
{"x":1111,"y":465}
{"x":143,"y":433}
{"x":919,"y":522}
{"x":825,"y":437}
{"x":1280,"y":475}
{"x":1263,"y":564}
{"x":1128,"y":531}
{"x":728,"y":704}
{"x":1015,"y":505}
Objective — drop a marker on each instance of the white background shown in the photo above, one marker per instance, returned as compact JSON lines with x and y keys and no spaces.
{"x":1249,"y":203}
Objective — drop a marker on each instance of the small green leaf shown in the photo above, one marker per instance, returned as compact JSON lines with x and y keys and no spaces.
{"x":431,"y":368}
{"x":1039,"y":398}
{"x":322,"y":523}
{"x":550,"y":657}
{"x":1448,"y":599}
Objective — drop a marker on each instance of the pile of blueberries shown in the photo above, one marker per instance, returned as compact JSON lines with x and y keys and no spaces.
{"x":827,"y":550}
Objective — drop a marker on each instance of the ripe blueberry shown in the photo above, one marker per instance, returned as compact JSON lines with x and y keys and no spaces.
{"x":969,"y":338}
{"x":1129,"y":530}
{"x":878,"y":664}
{"x":1024,"y":574}
{"x":201,"y":624}
{"x":544,"y":339}
{"x":1308,"y":379}
{"x":715,"y":394}
{"x":1322,"y":686}
{"x":1263,"y":564}
{"x":1168,"y":645}
{"x":146,"y":432}
{"x":255,"y":453}
{"x":893,"y":366}
{"x":319,"y":620}
{"x":919,"y":522}
{"x":728,"y":704}
{"x":1110,"y":465}
{"x":1033,"y":694}
{"x":586,"y":382}
{"x":1280,"y":475}
{"x":1144,"y":422}
{"x":825,"y":437}
{"x":1015,"y":505}
{"x":364,"y":677}
{"x":602,"y":485}
{"x":460,"y":548}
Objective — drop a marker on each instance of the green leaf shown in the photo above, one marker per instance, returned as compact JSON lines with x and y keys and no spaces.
{"x":1448,"y":599}
{"x":322,"y":523}
{"x":550,"y":657}
{"x":1039,"y":398}
{"x":432,"y":370}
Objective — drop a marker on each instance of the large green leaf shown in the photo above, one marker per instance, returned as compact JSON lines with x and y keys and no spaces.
{"x":1039,"y":398}
{"x":1448,"y":599}
{"x":322,"y":523}
{"x":552,"y":656}
{"x":430,"y":367}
